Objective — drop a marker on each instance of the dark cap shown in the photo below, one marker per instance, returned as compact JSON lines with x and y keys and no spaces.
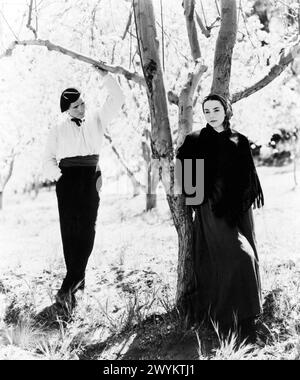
{"x":70,"y":95}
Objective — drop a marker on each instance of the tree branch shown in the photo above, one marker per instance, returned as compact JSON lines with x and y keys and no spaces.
{"x":52,"y":47}
{"x":29,"y":26}
{"x":186,"y":101}
{"x":128,"y":24}
{"x":203,"y":28}
{"x":189,"y":10}
{"x":276,"y":70}
{"x":123,"y":163}
{"x":224,"y":48}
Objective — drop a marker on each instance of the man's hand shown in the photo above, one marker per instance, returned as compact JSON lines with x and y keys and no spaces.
{"x":102,"y":72}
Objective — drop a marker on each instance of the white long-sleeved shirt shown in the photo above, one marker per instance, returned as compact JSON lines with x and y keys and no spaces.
{"x":70,"y":140}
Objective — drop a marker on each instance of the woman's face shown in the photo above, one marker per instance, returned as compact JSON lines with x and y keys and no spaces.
{"x":214,"y":113}
{"x":77,"y":109}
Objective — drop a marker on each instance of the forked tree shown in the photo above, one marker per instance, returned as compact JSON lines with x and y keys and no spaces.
{"x":162,"y":144}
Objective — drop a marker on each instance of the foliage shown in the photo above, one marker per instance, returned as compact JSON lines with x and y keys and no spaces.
{"x":32,"y":78}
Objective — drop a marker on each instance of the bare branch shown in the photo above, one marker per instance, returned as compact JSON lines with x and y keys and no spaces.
{"x":52,"y":47}
{"x":29,"y":26}
{"x":284,"y":60}
{"x":7,"y":23}
{"x":128,"y":24}
{"x":129,"y":172}
{"x":172,"y":42}
{"x":203,"y":28}
{"x":9,"y":173}
{"x":93,"y":20}
{"x":217,"y":6}
{"x":189,"y":10}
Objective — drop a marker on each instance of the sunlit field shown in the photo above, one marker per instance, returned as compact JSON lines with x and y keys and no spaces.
{"x":127,"y":308}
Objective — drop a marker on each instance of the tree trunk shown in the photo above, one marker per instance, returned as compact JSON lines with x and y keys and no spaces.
{"x":224,"y":48}
{"x":161,"y":141}
{"x":152,"y":175}
{"x":182,"y":218}
{"x":186,"y":102}
{"x":35,"y":189}
{"x":189,"y":12}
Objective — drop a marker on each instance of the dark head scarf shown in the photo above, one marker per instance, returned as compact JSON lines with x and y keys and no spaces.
{"x":70,"y":95}
{"x":230,"y":178}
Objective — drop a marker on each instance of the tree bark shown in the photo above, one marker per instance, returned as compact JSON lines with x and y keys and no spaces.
{"x":186,"y":102}
{"x":152,"y":173}
{"x":162,"y":141}
{"x":183,"y":222}
{"x":189,"y":12}
{"x":152,"y":183}
{"x":224,"y":48}
{"x":149,"y":53}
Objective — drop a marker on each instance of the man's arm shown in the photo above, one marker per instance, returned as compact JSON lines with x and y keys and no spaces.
{"x":50,"y":168}
{"x":113,"y":102}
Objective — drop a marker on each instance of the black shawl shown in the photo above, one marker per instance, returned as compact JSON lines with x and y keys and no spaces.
{"x":230,"y":177}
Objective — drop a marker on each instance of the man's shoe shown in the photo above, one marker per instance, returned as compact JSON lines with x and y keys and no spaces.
{"x":66,"y":300}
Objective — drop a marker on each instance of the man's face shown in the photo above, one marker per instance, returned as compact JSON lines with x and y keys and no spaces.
{"x":77,"y":109}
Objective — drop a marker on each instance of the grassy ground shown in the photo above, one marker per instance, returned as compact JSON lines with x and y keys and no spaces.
{"x":127,"y":309}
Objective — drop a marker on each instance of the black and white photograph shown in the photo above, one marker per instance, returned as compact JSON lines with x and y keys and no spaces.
{"x":149,"y":182}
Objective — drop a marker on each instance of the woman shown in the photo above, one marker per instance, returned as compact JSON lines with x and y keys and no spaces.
{"x":71,"y":158}
{"x":227,"y":281}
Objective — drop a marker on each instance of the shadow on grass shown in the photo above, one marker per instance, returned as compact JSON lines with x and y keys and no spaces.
{"x":52,"y":317}
{"x":159,"y":337}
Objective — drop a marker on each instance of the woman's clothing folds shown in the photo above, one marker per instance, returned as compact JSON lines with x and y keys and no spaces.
{"x":227,"y":280}
{"x":78,"y":202}
{"x":230,"y":177}
{"x":226,"y":272}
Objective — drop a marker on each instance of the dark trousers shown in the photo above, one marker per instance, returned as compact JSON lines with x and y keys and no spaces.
{"x":78,"y":201}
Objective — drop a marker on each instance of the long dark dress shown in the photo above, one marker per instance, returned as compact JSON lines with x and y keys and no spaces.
{"x":227,"y":287}
{"x":227,"y":280}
